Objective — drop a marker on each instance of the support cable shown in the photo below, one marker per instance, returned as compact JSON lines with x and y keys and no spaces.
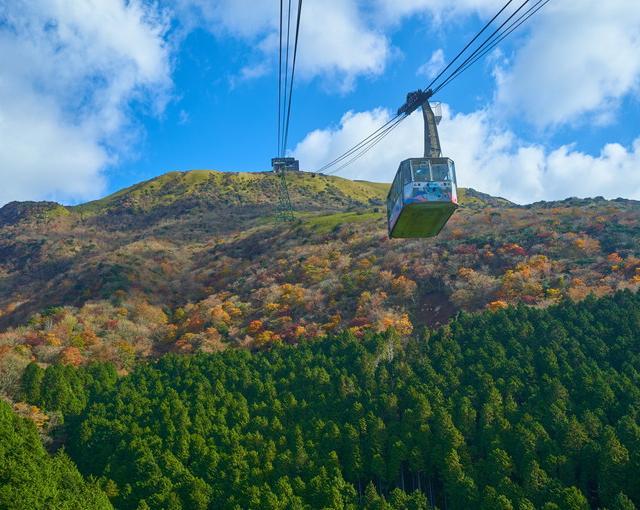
{"x":498,"y":35}
{"x":365,"y":149}
{"x":286,"y":75}
{"x":280,"y":84}
{"x":511,"y":28}
{"x":487,"y":41}
{"x":487,"y":25}
{"x":293,"y":72}
{"x":357,"y":146}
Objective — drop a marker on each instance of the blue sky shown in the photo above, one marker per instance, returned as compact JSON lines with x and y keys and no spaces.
{"x":95,"y":96}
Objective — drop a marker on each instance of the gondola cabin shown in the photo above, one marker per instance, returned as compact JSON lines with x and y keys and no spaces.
{"x":422,"y":197}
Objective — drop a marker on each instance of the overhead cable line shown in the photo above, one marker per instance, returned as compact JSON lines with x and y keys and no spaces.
{"x":280,"y":85}
{"x":371,"y":137}
{"x":293,"y":72}
{"x":487,"y":25}
{"x":370,"y":146}
{"x":420,"y":96}
{"x":484,"y":44}
{"x":285,"y":95}
{"x":286,"y":77}
{"x":357,"y":146}
{"x":511,"y":28}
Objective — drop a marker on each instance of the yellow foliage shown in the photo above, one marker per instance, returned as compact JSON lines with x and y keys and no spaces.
{"x":220,"y":315}
{"x":465,"y":272}
{"x":554,"y":293}
{"x":153,"y":314}
{"x":587,"y":244}
{"x":52,"y":340}
{"x":364,"y":263}
{"x":316,"y":268}
{"x":232,"y":309}
{"x":89,"y":337}
{"x":333,"y":323}
{"x":497,"y":305}
{"x":291,"y":294}
{"x":265,"y":338}
{"x":254,"y":326}
{"x":33,"y":413}
{"x":402,"y":325}
{"x":404,"y":286}
{"x":126,"y":347}
{"x":272,"y":307}
{"x":457,"y":233}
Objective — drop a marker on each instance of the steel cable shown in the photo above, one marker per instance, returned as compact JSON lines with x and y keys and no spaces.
{"x":511,"y":28}
{"x":479,"y":48}
{"x":280,"y":85}
{"x":366,"y":144}
{"x":293,"y":72}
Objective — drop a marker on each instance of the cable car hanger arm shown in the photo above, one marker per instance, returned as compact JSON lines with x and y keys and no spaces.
{"x":414,"y":101}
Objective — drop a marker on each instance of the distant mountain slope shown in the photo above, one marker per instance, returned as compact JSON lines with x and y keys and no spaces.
{"x":51,"y":254}
{"x":196,"y":261}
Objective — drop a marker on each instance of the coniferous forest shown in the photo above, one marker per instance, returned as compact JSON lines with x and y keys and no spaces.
{"x":520,"y":408}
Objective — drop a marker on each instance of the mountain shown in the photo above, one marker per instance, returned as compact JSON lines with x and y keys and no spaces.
{"x":194,"y":261}
{"x":127,"y":322}
{"x":523,"y":408}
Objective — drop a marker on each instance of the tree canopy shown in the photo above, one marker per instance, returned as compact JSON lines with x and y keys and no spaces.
{"x":31,"y":479}
{"x":515,"y":409}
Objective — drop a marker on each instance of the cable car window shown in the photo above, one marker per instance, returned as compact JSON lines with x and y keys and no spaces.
{"x":395,"y":190}
{"x":421,"y":172}
{"x":452,"y":168}
{"x":406,"y":174}
{"x":440,"y":171}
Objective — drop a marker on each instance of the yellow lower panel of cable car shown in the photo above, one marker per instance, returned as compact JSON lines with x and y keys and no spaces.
{"x":424,"y":219}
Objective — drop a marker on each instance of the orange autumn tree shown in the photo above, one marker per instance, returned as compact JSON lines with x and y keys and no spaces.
{"x":71,"y":356}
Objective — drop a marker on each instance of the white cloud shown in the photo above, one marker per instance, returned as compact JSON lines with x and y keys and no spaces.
{"x":433,"y":66}
{"x":392,"y":11}
{"x":42,"y":156}
{"x":578,"y":62}
{"x":581,"y":58}
{"x":335,"y":41}
{"x":379,"y":164}
{"x":487,"y":158}
{"x":336,"y":44}
{"x":68,"y":72}
{"x":240,"y":18}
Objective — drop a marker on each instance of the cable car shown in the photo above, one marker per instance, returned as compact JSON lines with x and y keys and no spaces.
{"x":423,"y":195}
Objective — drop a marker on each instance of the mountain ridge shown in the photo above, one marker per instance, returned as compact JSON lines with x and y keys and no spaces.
{"x":191,"y":179}
{"x":202,"y":241}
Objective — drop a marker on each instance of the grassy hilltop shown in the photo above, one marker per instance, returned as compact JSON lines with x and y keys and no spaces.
{"x":193,"y":261}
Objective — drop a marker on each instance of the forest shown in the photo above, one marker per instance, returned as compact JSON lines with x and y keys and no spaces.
{"x":193,"y":262}
{"x":30,"y":478}
{"x":516,"y":408}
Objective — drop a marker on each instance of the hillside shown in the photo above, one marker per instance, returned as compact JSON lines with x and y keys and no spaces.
{"x":517,"y":409}
{"x":30,"y":478}
{"x":194,"y":261}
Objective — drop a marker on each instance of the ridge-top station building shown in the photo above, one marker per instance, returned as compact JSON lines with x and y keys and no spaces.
{"x":291,"y":164}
